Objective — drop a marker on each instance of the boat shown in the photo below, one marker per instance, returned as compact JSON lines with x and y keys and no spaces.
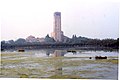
{"x":21,"y":50}
{"x":100,"y":57}
{"x":73,"y":51}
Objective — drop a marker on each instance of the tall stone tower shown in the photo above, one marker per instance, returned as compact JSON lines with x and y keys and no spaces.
{"x":57,"y":33}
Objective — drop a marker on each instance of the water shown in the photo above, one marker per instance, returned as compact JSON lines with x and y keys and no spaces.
{"x":59,"y":64}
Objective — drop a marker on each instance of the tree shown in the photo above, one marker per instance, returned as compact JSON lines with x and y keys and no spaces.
{"x":2,"y":42}
{"x":11,"y":41}
{"x":20,"y":41}
{"x":49,"y":39}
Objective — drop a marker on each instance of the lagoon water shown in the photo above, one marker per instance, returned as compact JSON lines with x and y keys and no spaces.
{"x":59,"y":64}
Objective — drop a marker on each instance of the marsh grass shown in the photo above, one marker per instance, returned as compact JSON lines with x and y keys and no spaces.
{"x":24,"y":76}
{"x":50,"y":67}
{"x":114,"y":61}
{"x":65,"y":77}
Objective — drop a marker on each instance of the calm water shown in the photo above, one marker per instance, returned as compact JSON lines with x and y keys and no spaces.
{"x":78,"y":53}
{"x":59,"y":64}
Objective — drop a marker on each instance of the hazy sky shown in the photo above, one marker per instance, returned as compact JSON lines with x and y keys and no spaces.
{"x":88,"y":18}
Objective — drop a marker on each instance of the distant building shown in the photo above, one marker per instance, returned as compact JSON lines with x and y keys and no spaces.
{"x":57,"y":33}
{"x":31,"y":39}
{"x":41,"y":39}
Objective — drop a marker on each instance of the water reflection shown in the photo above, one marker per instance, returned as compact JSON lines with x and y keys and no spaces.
{"x":55,"y":53}
{"x":58,"y":53}
{"x":58,"y":61}
{"x":49,"y":52}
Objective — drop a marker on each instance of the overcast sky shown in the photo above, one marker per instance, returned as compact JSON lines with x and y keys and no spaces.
{"x":87,"y":18}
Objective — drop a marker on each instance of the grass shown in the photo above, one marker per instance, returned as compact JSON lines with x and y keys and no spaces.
{"x":24,"y":76}
{"x":87,"y":71}
{"x":11,"y":61}
{"x":8,"y":54}
{"x":114,"y":61}
{"x":65,"y":77}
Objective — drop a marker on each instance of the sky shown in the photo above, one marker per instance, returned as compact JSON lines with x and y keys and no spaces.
{"x":87,"y":18}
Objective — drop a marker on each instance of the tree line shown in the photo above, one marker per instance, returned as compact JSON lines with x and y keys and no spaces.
{"x":112,"y":43}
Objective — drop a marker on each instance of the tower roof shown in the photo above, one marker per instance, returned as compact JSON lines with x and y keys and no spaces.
{"x":57,"y":13}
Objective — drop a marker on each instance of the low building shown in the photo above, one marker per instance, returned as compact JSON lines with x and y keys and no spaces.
{"x":31,"y":39}
{"x":41,"y":40}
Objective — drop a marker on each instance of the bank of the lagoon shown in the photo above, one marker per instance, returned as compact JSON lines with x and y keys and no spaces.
{"x":59,"y":64}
